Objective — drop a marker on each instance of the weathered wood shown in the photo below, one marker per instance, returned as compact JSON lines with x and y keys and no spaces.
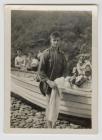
{"x":73,"y":102}
{"x":41,"y":101}
{"x":78,"y":98}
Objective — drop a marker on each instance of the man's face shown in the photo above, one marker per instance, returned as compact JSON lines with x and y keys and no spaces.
{"x":55,"y":42}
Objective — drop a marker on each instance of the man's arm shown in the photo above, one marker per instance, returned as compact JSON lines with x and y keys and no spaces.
{"x":43,"y":67}
{"x":42,"y":70}
{"x":64,"y":66}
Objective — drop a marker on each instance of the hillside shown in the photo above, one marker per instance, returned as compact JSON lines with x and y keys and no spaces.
{"x":30,"y":31}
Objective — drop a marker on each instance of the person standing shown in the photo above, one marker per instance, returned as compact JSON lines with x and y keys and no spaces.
{"x":52,"y":65}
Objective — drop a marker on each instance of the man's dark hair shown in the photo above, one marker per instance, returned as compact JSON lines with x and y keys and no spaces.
{"x":55,"y":34}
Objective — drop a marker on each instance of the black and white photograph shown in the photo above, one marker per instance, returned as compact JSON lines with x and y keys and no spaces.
{"x":51,"y":69}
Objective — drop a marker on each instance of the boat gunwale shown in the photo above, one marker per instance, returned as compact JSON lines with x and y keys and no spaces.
{"x":62,"y":100}
{"x":34,"y":83}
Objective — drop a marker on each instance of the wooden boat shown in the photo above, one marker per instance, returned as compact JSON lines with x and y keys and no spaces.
{"x":74,"y":102}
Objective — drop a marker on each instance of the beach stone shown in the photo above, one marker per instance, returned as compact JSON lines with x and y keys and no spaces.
{"x":68,"y":126}
{"x":34,"y":111}
{"x":39,"y":114}
{"x":16,"y":114}
{"x":57,"y":126}
{"x":40,"y":122}
{"x":22,"y":124}
{"x":35,"y":125}
{"x":29,"y":108}
{"x":29,"y":120}
{"x":16,"y":123}
{"x":57,"y":123}
{"x":24,"y":112}
{"x":64,"y":126}
{"x":19,"y":102}
{"x":74,"y":126}
{"x":30,"y":114}
{"x":45,"y":125}
{"x":24,"y":116}
{"x":43,"y":113}
{"x":35,"y":119}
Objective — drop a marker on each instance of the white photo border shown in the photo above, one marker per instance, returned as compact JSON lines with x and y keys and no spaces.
{"x":7,"y":63}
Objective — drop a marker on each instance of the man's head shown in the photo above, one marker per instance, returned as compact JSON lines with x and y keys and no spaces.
{"x":19,"y":52}
{"x":55,"y":39}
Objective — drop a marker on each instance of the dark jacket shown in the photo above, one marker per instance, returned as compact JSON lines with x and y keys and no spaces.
{"x":52,"y":65}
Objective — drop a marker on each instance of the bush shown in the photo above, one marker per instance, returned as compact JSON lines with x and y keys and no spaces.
{"x":30,"y":31}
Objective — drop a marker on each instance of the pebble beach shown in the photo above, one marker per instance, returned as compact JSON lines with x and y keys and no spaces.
{"x":24,"y":115}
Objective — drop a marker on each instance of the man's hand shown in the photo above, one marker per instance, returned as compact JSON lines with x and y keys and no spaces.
{"x":51,"y":84}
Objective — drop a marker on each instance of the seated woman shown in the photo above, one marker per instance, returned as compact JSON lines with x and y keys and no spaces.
{"x":35,"y":63}
{"x":29,"y":61}
{"x":19,"y":60}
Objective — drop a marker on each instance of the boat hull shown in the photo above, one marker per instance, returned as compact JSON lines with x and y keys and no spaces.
{"x":73,"y":102}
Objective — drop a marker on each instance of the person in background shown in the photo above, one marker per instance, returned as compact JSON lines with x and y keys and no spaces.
{"x":80,"y":66}
{"x":81,"y":72}
{"x":35,"y":63}
{"x":52,"y":65}
{"x":29,"y":62}
{"x":88,"y":69}
{"x":72,"y":79}
{"x":19,"y":59}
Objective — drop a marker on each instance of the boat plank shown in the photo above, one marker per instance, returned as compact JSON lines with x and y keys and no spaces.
{"x":36,"y":84}
{"x":22,"y":92}
{"x":67,"y":103}
{"x":69,"y":97}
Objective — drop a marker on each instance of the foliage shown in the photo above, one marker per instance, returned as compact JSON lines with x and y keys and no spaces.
{"x":30,"y":31}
